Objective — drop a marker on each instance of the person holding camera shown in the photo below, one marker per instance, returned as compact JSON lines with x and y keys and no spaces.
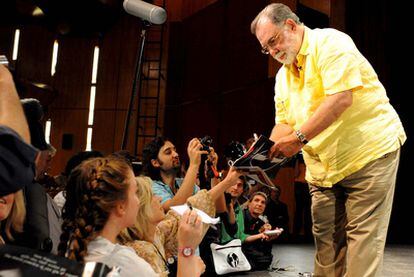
{"x":161,"y":163}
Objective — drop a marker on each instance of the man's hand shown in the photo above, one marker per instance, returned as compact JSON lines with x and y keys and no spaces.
{"x":213,"y":157}
{"x":232,"y":176}
{"x":286,"y":146}
{"x":194,"y":152}
{"x":265,"y":227}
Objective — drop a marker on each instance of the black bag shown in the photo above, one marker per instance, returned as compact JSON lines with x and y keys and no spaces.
{"x":22,"y":261}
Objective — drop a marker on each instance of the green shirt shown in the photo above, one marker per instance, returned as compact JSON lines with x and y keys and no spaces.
{"x":225,"y":237}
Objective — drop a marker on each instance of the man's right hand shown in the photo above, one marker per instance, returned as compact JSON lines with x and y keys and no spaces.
{"x":232,"y":176}
{"x":194,"y":152}
{"x":279,"y":131}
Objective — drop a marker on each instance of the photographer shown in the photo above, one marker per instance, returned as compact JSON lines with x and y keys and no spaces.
{"x":208,"y":166}
{"x":161,"y":163}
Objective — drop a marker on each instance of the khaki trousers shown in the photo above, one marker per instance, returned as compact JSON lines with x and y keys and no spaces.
{"x":350,"y":220}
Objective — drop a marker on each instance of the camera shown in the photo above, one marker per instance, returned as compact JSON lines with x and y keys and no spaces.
{"x":234,"y":150}
{"x":206,"y":143}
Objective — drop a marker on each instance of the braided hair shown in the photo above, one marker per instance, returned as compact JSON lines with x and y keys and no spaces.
{"x":93,"y":190}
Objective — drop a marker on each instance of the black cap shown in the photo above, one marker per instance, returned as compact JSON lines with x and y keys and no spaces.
{"x":34,"y":113}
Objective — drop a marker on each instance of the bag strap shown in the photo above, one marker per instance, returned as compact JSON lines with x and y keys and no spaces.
{"x":225,"y":247}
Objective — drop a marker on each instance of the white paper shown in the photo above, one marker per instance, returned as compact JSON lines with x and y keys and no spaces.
{"x":205,"y":218}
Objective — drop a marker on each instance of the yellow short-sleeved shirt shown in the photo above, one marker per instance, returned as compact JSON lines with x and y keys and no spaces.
{"x":329,"y":63}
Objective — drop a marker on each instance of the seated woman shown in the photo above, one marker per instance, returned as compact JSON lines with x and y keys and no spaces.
{"x":12,"y":214}
{"x":154,"y":235}
{"x":101,"y":200}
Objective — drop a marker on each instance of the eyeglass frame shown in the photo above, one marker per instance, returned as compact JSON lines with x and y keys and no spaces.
{"x":265,"y":49}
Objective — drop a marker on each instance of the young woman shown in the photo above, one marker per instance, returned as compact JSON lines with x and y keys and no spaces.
{"x":154,"y":235}
{"x":12,"y":213}
{"x":101,"y":200}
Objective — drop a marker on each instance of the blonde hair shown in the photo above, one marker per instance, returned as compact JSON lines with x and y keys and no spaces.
{"x":140,"y":230}
{"x":17,"y":215}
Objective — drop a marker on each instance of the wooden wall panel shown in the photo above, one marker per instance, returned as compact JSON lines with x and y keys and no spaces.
{"x":178,"y":10}
{"x":119,"y":128}
{"x":67,"y":121}
{"x":104,"y":131}
{"x":216,"y":67}
{"x":74,"y":72}
{"x":35,"y":54}
{"x":323,"y":6}
{"x":6,"y":41}
{"x":242,"y":62}
{"x":69,"y":111}
{"x":126,"y":35}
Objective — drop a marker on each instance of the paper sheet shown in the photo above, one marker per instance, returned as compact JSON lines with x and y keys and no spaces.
{"x":205,"y":218}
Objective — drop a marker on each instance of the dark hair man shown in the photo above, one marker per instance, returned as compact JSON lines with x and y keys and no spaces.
{"x":161,"y":162}
{"x":257,"y":246}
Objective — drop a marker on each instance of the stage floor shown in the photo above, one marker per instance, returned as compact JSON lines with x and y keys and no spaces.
{"x":296,"y":258}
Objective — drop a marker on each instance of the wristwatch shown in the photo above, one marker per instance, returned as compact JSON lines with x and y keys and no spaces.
{"x":301,"y":137}
{"x":186,"y":251}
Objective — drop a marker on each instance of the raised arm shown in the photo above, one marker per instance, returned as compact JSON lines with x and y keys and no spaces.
{"x":11,"y":111}
{"x":187,"y":187}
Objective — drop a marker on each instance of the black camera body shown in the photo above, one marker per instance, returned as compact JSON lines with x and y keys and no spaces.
{"x":234,"y":150}
{"x":206,"y":143}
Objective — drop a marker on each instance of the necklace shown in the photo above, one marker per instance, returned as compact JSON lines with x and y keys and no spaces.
{"x":166,"y":263}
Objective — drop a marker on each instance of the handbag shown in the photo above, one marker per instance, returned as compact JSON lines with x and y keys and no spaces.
{"x":229,"y":257}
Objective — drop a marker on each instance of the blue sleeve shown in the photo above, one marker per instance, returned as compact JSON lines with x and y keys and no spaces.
{"x":161,"y":191}
{"x":196,"y":189}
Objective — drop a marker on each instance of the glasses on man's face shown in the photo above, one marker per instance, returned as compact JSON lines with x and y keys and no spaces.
{"x":272,"y":42}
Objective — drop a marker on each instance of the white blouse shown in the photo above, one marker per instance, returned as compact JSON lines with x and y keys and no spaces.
{"x":103,"y":251}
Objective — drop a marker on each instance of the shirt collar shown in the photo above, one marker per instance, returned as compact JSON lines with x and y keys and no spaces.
{"x":304,"y":48}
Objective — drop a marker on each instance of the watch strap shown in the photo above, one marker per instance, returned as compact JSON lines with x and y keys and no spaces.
{"x":301,"y":137}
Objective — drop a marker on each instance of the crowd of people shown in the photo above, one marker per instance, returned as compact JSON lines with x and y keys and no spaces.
{"x":101,"y":209}
{"x":330,"y":108}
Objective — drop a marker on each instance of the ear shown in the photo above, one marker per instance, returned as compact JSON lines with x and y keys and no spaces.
{"x":120,"y":208}
{"x":155,"y":163}
{"x":291,"y":23}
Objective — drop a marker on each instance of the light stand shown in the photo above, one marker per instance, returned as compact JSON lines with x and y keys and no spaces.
{"x":137,"y":81}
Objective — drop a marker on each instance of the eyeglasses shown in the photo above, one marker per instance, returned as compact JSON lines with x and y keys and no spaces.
{"x":272,"y":42}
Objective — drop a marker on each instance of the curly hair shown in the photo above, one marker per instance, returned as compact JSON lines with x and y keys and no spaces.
{"x":150,"y":152}
{"x":93,"y":190}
